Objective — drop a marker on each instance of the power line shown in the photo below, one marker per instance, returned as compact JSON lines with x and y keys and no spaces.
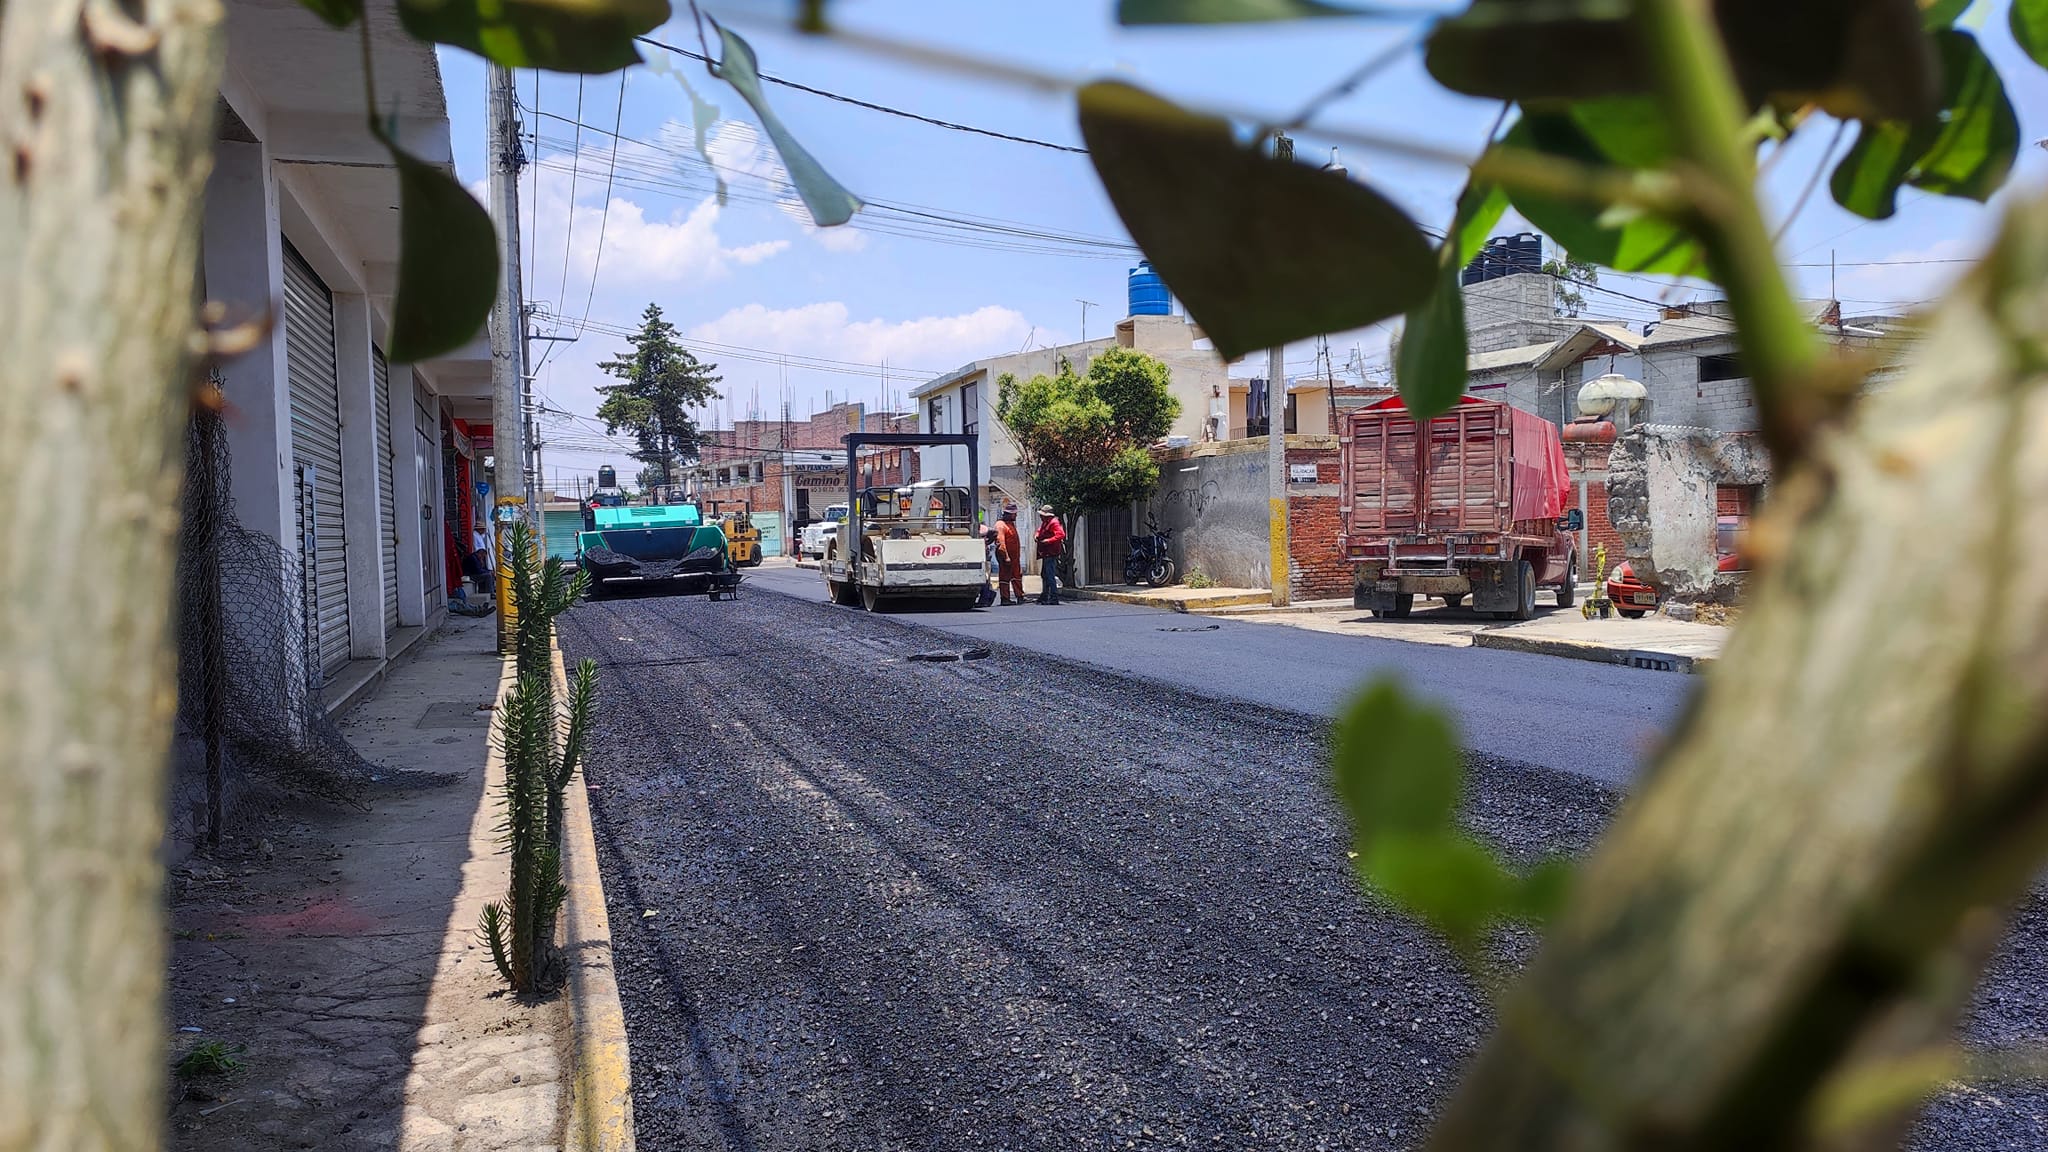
{"x":611,"y":173}
{"x":873,"y":107}
{"x":569,"y":228}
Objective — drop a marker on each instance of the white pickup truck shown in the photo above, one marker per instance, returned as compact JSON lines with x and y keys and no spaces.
{"x":811,"y":541}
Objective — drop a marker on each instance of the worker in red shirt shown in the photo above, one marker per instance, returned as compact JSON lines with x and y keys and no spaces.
{"x":1009,"y":557}
{"x":1052,"y":541}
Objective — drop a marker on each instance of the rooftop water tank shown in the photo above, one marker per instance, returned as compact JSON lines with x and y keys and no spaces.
{"x":1149,"y":296}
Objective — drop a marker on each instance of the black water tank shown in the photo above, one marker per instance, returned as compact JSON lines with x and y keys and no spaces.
{"x":1505,"y":256}
{"x":607,"y":476}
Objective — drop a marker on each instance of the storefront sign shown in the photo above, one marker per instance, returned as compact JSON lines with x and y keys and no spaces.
{"x":1301,"y":473}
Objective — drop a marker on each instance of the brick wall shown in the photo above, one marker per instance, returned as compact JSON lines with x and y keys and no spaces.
{"x":1599,"y":529}
{"x":1316,"y":570}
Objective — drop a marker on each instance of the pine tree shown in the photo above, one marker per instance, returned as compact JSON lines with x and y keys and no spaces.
{"x":662,"y":383}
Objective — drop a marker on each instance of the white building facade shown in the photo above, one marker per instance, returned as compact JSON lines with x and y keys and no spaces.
{"x":344,"y":458}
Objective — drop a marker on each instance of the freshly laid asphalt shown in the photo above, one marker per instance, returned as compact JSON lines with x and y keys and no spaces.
{"x":1027,"y":900}
{"x":1591,"y":719}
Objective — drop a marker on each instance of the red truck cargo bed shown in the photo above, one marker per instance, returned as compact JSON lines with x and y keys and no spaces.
{"x":1479,"y":468}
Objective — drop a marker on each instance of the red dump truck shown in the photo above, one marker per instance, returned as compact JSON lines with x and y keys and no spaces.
{"x":1472,"y":503}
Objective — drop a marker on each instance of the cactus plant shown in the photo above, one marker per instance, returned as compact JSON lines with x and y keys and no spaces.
{"x":520,"y":931}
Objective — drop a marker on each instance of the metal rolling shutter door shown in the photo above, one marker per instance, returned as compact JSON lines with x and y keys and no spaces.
{"x":316,"y":442}
{"x":387,"y":499}
{"x":427,"y":459}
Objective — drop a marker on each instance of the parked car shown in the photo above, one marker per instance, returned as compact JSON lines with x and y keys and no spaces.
{"x":1635,"y":598}
{"x":816,"y":536}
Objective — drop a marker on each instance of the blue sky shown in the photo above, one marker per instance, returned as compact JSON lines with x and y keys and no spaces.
{"x":754,"y":282}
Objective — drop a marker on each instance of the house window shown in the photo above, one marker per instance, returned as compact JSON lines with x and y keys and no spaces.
{"x":934,"y":414}
{"x":1727,"y":366}
{"x":970,"y":409}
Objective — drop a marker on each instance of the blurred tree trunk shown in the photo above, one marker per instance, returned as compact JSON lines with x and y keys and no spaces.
{"x":108,"y":111}
{"x":1786,"y":921}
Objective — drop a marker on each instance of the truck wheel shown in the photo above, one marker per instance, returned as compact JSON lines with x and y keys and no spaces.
{"x":1568,"y":592}
{"x":1631,"y":613}
{"x":1525,"y":604}
{"x":1404,"y":603}
{"x":1455,"y":600}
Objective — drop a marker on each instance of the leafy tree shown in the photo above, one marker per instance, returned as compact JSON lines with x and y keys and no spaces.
{"x":663,"y":382}
{"x":1136,"y":388}
{"x":1568,"y":275}
{"x":1084,"y":440}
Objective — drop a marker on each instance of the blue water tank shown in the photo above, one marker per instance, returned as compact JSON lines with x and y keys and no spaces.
{"x":1149,"y":296}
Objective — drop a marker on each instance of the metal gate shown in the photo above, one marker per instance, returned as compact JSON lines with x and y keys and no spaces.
{"x":1109,"y":543}
{"x":387,"y":499}
{"x":316,"y":443}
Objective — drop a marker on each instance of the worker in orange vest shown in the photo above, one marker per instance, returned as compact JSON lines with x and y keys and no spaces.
{"x":1010,"y":557}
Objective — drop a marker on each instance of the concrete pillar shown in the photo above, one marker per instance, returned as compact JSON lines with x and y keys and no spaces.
{"x":243,"y":256}
{"x":406,"y":498}
{"x":359,"y":474}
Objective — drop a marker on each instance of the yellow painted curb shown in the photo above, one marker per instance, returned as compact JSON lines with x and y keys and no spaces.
{"x":1171,"y":603}
{"x":601,"y":1087}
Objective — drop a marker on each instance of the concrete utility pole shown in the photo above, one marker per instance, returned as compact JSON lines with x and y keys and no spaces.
{"x":508,"y":331}
{"x":1276,"y":468}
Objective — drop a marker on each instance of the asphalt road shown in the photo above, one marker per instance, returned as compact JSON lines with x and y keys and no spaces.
{"x":860,"y":901}
{"x":1573,"y":716}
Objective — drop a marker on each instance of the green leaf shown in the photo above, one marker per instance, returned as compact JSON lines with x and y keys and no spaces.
{"x":1262,"y":251}
{"x":703,"y":114}
{"x":1603,"y":132}
{"x":2030,"y":28}
{"x":1454,"y":884}
{"x":1856,"y":58}
{"x":1130,"y":12}
{"x":829,"y":202}
{"x":1398,"y":773}
{"x":340,"y":13}
{"x":585,"y":36}
{"x":1430,"y":364}
{"x":1938,"y":14}
{"x":1967,"y":151}
{"x":1541,"y":894}
{"x":447,"y":262}
{"x":1397,"y":765}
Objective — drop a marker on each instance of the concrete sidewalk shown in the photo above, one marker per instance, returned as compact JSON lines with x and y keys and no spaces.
{"x":339,"y":948}
{"x":1655,"y":642}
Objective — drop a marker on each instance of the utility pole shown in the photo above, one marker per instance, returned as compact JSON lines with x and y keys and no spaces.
{"x":1085,"y":306}
{"x":508,"y":359}
{"x":1276,"y":469}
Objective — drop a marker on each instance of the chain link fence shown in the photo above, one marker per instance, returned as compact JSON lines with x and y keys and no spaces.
{"x":249,"y":721}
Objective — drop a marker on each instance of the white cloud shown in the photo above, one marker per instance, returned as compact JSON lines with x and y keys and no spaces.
{"x":826,"y":329}
{"x":647,"y":251}
{"x":684,"y":247}
{"x":845,"y":238}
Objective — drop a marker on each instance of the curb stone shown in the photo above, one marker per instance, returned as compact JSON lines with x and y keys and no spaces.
{"x":601,"y":1085}
{"x":1506,"y":640}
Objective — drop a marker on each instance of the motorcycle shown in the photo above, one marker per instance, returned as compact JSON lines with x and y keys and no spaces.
{"x":1149,"y":562}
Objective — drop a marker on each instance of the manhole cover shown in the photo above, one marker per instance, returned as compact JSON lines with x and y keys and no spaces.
{"x":950,"y":655}
{"x":454,"y":714}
